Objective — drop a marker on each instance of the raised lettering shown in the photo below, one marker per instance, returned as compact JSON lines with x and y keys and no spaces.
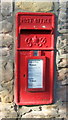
{"x":37,"y":20}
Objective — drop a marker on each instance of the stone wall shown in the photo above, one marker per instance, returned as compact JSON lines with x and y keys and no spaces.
{"x":8,"y":109}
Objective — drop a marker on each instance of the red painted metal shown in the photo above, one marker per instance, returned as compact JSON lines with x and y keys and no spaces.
{"x":34,"y":31}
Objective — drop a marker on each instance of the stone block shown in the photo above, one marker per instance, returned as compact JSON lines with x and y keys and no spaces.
{"x":6,"y":92}
{"x":58,"y":44}
{"x":64,"y":50}
{"x":64,"y":9}
{"x":63,"y":4}
{"x":40,"y":114}
{"x":63,"y":55}
{"x":63,"y":26}
{"x":63,"y":63}
{"x":56,"y":8}
{"x":35,"y":6}
{"x":1,"y":17}
{"x":5,"y":26}
{"x":65,"y":82}
{"x":24,"y":109}
{"x":42,"y":111}
{"x":62,"y":74}
{"x":6,"y":40}
{"x":62,"y":93}
{"x":64,"y":43}
{"x":62,"y":110}
{"x":7,"y":71}
{"x":4,"y":51}
{"x":7,"y":85}
{"x":61,"y":42}
{"x":50,"y":110}
{"x":63,"y":30}
{"x":42,"y":7}
{"x":6,"y":7}
{"x":65,"y":36}
{"x":6,"y":81}
{"x":63,"y":15}
{"x":6,"y":96}
{"x":7,"y":111}
{"x":34,"y":114}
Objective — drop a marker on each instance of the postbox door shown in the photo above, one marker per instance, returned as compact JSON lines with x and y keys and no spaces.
{"x":33,"y":95}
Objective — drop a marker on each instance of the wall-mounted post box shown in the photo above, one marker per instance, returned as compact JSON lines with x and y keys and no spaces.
{"x":34,"y":73}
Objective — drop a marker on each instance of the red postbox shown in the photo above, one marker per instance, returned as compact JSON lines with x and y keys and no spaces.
{"x":34,"y":63}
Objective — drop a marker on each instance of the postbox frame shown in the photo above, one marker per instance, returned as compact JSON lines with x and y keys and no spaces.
{"x":17,"y":62}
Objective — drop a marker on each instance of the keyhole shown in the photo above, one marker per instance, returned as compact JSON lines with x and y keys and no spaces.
{"x":24,"y":75}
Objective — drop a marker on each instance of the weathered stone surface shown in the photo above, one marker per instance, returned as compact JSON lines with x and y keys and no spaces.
{"x":57,"y":58}
{"x":38,"y":111}
{"x":0,"y":17}
{"x":10,"y":19}
{"x":65,"y":82}
{"x":24,"y":109}
{"x":6,"y":40}
{"x":62,"y":110}
{"x":7,"y":110}
{"x":65,"y":10}
{"x":24,"y":5}
{"x":6,"y":92}
{"x":5,"y":26}
{"x":6,"y":8}
{"x":61,"y":42}
{"x":34,"y":114}
{"x":63,"y":63}
{"x":63,"y":15}
{"x":59,"y":39}
{"x":61,"y":93}
{"x":44,"y":6}
{"x":50,"y":111}
{"x":64,"y":50}
{"x":64,"y":55}
{"x":65,"y":36}
{"x":3,"y":61}
{"x":6,"y":81}
{"x":40,"y":114}
{"x":4,"y":51}
{"x":6,"y":96}
{"x":63,"y":26}
{"x":7,"y":71}
{"x":63,"y":4}
{"x":7,"y":85}
{"x":56,"y":8}
{"x":62,"y":21}
{"x":64,"y":43}
{"x":63,"y":30}
{"x":35,"y":6}
{"x":62,"y":74}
